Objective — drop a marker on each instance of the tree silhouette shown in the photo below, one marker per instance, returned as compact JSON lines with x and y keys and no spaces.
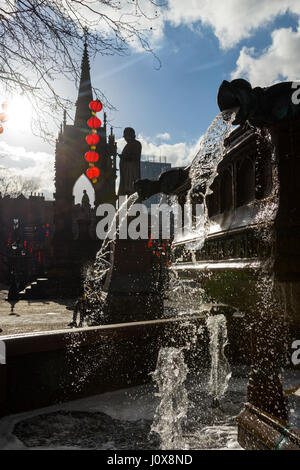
{"x":14,"y":185}
{"x":42,"y":41}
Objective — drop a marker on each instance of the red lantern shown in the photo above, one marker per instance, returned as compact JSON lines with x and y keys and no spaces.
{"x":93,"y":172}
{"x":1,"y":129}
{"x":91,"y":156}
{"x":94,"y":123}
{"x":95,"y":106}
{"x":92,"y":139}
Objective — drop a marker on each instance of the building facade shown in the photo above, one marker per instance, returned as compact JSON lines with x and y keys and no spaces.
{"x":70,"y":229}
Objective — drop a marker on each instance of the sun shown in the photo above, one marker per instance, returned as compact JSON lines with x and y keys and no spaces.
{"x":19,"y":113}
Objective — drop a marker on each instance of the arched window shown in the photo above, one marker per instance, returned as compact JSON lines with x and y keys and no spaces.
{"x":226,"y":191}
{"x":83,"y":183}
{"x":245,"y":182}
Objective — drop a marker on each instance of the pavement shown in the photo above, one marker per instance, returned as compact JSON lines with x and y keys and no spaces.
{"x":28,"y":316}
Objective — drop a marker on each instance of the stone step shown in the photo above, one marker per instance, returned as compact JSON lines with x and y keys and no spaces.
{"x":44,"y":288}
{"x":35,"y":290}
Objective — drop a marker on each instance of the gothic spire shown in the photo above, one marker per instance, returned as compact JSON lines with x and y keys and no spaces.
{"x":85,"y":94}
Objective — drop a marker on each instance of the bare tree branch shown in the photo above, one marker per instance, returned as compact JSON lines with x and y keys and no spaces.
{"x":41,"y":41}
{"x":14,"y":185}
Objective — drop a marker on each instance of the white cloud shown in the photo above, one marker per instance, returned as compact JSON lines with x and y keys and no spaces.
{"x":37,"y":166}
{"x":124,"y":16}
{"x":179,"y":154}
{"x":280,"y":61}
{"x":163,"y":136}
{"x":231,"y":20}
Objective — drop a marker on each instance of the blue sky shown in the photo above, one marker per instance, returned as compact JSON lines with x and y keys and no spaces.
{"x":200,"y":43}
{"x":180,"y":97}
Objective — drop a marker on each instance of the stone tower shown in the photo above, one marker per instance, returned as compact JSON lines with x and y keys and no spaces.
{"x":69,"y":158}
{"x":70,"y":251}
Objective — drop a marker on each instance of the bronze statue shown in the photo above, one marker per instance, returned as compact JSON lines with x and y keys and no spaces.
{"x":85,"y":200}
{"x":130,"y":158}
{"x":260,"y":107}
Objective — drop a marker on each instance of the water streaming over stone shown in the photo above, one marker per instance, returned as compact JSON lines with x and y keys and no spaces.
{"x":170,"y":379}
{"x":203,"y":171}
{"x":220,"y":371}
{"x":171,"y":370}
{"x":170,"y":414}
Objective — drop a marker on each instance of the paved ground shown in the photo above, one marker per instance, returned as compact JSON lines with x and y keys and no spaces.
{"x":33,"y":315}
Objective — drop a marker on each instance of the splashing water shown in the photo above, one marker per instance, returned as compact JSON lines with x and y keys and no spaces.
{"x":95,"y":274}
{"x":171,"y":370}
{"x":170,"y":415}
{"x":203,"y":171}
{"x":220,"y":371}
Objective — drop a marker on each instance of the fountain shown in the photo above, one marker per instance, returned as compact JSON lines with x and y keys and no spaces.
{"x":246,"y":264}
{"x":248,"y":259}
{"x":220,"y":371}
{"x":170,"y":375}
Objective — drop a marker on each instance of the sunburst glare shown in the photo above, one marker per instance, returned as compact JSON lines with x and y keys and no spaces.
{"x":19,"y":113}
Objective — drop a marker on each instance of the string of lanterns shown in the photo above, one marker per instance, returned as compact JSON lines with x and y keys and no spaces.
{"x":3,"y":116}
{"x":93,"y":140}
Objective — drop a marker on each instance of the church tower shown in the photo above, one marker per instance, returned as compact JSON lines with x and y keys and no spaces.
{"x":70,"y":163}
{"x":69,"y":251}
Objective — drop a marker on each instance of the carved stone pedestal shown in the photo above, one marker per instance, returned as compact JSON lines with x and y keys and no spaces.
{"x":135,"y":283}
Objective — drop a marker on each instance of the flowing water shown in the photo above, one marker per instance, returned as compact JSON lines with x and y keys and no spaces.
{"x":171,"y":371}
{"x":169,"y":378}
{"x":171,"y":412}
{"x":94,"y":275}
{"x":179,"y":414}
{"x":203,"y":171}
{"x":170,"y":417}
{"x":220,"y":371}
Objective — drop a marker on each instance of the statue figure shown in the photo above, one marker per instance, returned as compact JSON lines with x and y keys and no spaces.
{"x":260,"y":106}
{"x":85,"y":201}
{"x":130,"y":158}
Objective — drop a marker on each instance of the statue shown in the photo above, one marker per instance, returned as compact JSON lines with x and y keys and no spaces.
{"x":85,"y":201}
{"x":259,"y":106}
{"x":130,"y":159}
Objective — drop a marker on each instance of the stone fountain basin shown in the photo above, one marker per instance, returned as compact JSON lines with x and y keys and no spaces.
{"x":121,"y":420}
{"x":42,"y":369}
